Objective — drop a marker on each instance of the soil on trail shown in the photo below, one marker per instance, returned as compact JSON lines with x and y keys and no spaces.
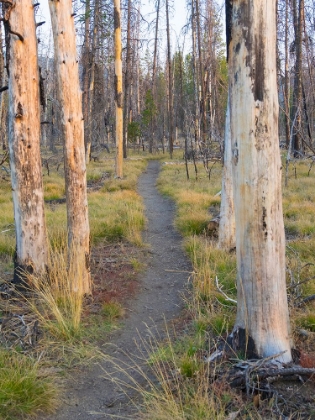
{"x":91,"y":394}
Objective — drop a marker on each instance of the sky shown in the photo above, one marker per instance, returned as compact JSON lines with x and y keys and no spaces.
{"x":178,"y":19}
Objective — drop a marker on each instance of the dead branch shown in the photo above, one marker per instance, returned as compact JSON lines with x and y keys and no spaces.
{"x":223,"y":293}
{"x":246,"y":377}
{"x":308,"y":299}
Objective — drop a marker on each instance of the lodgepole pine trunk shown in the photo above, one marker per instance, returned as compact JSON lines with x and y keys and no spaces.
{"x":118,"y":91}
{"x":24,"y":139}
{"x":70,"y":98}
{"x":262,"y":308}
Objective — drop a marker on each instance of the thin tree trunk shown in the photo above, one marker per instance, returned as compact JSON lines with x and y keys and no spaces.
{"x":118,"y":91}
{"x":170,"y":83}
{"x":195,"y":77}
{"x":201,"y":79}
{"x":24,"y":139}
{"x":70,"y":97}
{"x":153,"y":82}
{"x":128,"y":75}
{"x":86,"y":69}
{"x":3,"y":79}
{"x":262,"y":309}
{"x":286,"y":76}
{"x":298,"y":13}
{"x":88,"y":142}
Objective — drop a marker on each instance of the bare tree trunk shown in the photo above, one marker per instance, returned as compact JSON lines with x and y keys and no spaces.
{"x":24,"y":138}
{"x":86,"y":69}
{"x":195,"y":77}
{"x":88,"y":142}
{"x":262,"y":309}
{"x":118,"y":91}
{"x":286,"y":76}
{"x":3,"y":79}
{"x":170,"y":83}
{"x":128,"y":76}
{"x":226,"y":238}
{"x":203,"y":115}
{"x":153,"y":82}
{"x":298,"y":13}
{"x":70,"y":98}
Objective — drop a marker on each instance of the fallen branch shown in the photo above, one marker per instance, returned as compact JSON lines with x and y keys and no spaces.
{"x":223,"y":293}
{"x":245,"y":378}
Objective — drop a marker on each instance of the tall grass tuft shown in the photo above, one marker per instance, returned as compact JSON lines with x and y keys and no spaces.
{"x":58,"y":296}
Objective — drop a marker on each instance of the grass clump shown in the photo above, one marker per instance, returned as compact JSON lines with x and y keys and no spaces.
{"x":58,"y":296}
{"x":24,"y":390}
{"x":112,"y":311}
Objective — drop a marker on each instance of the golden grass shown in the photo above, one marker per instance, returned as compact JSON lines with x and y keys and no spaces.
{"x":58,"y":296}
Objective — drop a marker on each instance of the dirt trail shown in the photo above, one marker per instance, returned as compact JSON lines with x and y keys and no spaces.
{"x":92,"y":396}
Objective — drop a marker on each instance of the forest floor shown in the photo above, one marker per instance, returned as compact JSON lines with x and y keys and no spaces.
{"x":153,"y":299}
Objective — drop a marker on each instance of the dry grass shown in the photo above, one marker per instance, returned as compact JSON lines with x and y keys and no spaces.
{"x":58,"y":296}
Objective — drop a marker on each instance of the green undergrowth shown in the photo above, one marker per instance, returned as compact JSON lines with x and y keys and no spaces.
{"x":26,"y":389}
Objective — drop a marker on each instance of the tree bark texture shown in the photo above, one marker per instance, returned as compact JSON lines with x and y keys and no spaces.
{"x":262,"y":308}
{"x":226,"y":238}
{"x":118,"y":91}
{"x":70,"y":97}
{"x":24,"y":138}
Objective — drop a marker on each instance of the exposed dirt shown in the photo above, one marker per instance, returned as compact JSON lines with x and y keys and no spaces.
{"x":155,"y":296}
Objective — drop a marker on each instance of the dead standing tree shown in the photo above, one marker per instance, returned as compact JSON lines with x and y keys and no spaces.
{"x":24,"y":138}
{"x":118,"y":91}
{"x":70,"y":97}
{"x":262,"y":308}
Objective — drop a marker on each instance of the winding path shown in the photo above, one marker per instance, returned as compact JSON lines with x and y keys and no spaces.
{"x":92,"y":395}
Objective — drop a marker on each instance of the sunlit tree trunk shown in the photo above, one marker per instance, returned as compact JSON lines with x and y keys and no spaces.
{"x":3,"y":109}
{"x":24,"y":139}
{"x":118,"y":91}
{"x":70,"y":97}
{"x":262,"y":309}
